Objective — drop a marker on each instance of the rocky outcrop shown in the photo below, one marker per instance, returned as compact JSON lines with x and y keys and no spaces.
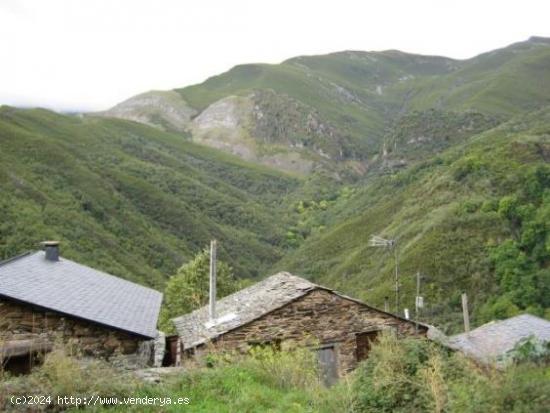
{"x":272,"y":129}
{"x":162,"y":109}
{"x":263,"y":126}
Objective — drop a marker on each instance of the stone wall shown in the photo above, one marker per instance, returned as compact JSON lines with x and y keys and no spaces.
{"x":22,"y":322}
{"x":320,"y":317}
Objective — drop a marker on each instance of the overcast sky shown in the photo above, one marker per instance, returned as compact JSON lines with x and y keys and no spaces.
{"x":92,"y":54}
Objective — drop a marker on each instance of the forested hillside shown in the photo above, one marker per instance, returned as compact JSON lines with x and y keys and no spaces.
{"x":448,"y":157}
{"x":130,"y":199}
{"x":473,"y":218}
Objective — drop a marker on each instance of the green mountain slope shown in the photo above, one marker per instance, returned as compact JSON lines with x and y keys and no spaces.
{"x":130,"y":199}
{"x":506,"y":81}
{"x":475,"y":218}
{"x":449,"y":157}
{"x":332,"y":111}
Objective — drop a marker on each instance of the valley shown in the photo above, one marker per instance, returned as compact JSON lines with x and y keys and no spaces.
{"x":295,"y":166}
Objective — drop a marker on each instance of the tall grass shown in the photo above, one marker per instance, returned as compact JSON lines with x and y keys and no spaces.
{"x":63,"y":374}
{"x":400,"y":375}
{"x":414,"y":375}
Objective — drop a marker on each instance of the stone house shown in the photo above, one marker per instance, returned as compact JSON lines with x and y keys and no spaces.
{"x":285,"y":308}
{"x":46,"y":299}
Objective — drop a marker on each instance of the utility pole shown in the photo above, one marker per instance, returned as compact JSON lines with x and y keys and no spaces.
{"x":212,"y":297}
{"x":377,"y":241}
{"x":417,"y":301}
{"x":466,"y":313}
{"x":396,"y":278}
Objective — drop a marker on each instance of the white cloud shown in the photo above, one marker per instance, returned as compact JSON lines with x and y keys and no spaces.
{"x":91,"y":54}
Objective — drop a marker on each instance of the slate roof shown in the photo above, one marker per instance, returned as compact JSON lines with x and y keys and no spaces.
{"x":493,"y":340}
{"x":245,"y":306}
{"x":79,"y":291}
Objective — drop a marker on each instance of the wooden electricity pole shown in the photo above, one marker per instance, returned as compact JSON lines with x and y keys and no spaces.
{"x":396,"y":279}
{"x":417,"y":300}
{"x":212,"y":297}
{"x":465,"y":313}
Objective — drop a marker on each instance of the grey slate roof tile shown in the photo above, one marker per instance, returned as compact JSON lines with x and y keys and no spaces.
{"x":492,"y":340}
{"x":70,"y":288}
{"x":241,"y":307}
{"x":245,"y":306}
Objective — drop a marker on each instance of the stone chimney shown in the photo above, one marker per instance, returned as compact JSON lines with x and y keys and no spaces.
{"x":51,"y":248}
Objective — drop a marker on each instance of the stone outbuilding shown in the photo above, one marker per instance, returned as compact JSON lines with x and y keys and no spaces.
{"x":46,"y":299}
{"x":286,"y":308}
{"x":492,"y":343}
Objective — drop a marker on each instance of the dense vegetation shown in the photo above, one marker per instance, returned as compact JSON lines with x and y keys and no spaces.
{"x":473,"y":218}
{"x":448,"y":157}
{"x":130,"y":199}
{"x":188,"y":289}
{"x":407,"y":375}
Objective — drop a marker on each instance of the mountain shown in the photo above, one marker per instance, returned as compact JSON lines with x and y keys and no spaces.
{"x":474,"y":218}
{"x":295,"y":166}
{"x":332,"y":111}
{"x":131,"y":199}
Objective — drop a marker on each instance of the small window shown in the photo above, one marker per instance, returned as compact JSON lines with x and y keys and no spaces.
{"x":274,"y":344}
{"x":363,"y":344}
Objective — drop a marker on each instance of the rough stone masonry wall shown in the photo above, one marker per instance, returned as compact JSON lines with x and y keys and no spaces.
{"x":323,"y":316}
{"x":21,"y":322}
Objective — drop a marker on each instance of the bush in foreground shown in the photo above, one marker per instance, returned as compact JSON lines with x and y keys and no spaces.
{"x":400,"y":375}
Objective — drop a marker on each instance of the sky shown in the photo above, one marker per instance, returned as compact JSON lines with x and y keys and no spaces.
{"x":88,"y":55}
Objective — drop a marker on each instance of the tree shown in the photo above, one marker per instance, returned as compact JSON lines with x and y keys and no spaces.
{"x":188,"y":289}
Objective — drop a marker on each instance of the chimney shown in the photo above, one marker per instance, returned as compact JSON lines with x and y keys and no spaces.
{"x":51,"y":248}
{"x":212,"y":301}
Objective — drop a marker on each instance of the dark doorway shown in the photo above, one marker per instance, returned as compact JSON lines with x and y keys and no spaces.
{"x":171,"y":351}
{"x":328,"y":368}
{"x":363,"y":344}
{"x":23,"y":364}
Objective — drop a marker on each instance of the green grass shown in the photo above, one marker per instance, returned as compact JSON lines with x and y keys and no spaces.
{"x":400,"y":375}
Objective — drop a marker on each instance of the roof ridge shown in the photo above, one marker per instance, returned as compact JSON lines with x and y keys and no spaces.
{"x":497,"y":323}
{"x":238,"y":293}
{"x":80,"y":291}
{"x":15,"y":258}
{"x":270,"y":294}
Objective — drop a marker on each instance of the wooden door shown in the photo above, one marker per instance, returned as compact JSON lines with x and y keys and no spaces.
{"x":363,"y":344}
{"x":328,"y":368}
{"x":171,"y":351}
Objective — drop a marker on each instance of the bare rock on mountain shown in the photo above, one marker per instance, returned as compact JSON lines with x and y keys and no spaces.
{"x":162,"y":109}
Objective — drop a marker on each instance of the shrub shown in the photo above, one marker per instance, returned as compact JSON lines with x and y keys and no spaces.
{"x":386,"y":382}
{"x":188,"y":289}
{"x":296,"y":368}
{"x":412,"y":375}
{"x":63,"y":375}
